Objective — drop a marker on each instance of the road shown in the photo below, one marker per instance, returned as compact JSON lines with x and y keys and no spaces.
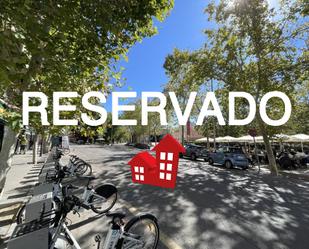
{"x":210,"y":208}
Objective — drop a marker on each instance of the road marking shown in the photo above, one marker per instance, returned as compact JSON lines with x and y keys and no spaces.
{"x":165,"y":239}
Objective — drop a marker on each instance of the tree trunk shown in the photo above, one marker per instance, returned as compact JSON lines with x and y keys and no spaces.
{"x":35,"y":149}
{"x":41,"y":145}
{"x":182,"y":135}
{"x":6,"y":154}
{"x":271,"y":158}
{"x":214,"y":137}
{"x":46,"y":144}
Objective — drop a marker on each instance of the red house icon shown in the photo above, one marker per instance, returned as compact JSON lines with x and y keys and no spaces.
{"x":161,"y":171}
{"x":167,"y":158}
{"x":143,"y":168}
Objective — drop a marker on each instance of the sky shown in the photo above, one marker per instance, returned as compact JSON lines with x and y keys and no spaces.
{"x":182,"y":29}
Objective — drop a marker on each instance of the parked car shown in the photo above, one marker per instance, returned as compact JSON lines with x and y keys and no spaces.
{"x":229,"y":157}
{"x":142,"y":146}
{"x":130,"y":144}
{"x":194,"y":152}
{"x":80,"y":141}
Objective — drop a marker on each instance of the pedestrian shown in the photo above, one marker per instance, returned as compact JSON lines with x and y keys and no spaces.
{"x":23,"y":142}
{"x":17,"y":146}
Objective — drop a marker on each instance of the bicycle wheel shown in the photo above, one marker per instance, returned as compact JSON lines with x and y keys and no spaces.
{"x":103,"y":199}
{"x":20,"y":217}
{"x":145,"y":229}
{"x":83,"y":169}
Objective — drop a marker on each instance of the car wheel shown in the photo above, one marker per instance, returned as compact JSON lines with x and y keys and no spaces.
{"x":228,"y":164}
{"x":193,"y":157}
{"x":180,"y":155}
{"x":210,"y":161}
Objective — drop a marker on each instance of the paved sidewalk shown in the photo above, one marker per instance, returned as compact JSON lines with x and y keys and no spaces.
{"x":300,"y":174}
{"x":21,"y":178}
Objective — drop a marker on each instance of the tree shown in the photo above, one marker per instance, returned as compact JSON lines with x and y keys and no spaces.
{"x":154,"y":126}
{"x":251,"y":49}
{"x":299,"y":122}
{"x":136,"y":132}
{"x":177,"y":67}
{"x":68,"y":45}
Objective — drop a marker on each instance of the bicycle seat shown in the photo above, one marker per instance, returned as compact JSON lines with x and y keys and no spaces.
{"x":116,"y":214}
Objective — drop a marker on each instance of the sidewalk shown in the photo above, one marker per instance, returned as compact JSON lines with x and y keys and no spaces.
{"x":301,"y":174}
{"x":21,"y":178}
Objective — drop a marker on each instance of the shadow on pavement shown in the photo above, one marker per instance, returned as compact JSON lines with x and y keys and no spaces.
{"x":218,"y":208}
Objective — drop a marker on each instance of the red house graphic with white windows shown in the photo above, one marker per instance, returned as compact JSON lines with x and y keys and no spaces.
{"x":162,"y":170}
{"x":143,"y":168}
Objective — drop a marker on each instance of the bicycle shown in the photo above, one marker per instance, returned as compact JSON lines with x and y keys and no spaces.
{"x":95,"y":198}
{"x":75,"y":167}
{"x":121,"y":235}
{"x":100,"y":199}
{"x":141,"y":232}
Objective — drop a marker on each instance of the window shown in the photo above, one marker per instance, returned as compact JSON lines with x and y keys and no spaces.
{"x":166,"y":165}
{"x":169,"y":177}
{"x":162,"y":155}
{"x":169,"y":167}
{"x":162,"y":166}
{"x":139,"y":173}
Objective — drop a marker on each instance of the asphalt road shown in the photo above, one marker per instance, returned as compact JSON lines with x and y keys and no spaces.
{"x":210,"y":208}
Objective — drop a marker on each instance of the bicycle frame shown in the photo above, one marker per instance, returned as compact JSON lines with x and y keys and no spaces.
{"x":114,"y":235}
{"x":88,"y":192}
{"x":61,"y":236}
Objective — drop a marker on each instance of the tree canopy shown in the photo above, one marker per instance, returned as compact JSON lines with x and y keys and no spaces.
{"x":69,"y":45}
{"x":251,"y":48}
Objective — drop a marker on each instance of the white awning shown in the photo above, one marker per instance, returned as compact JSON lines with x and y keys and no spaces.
{"x":298,"y":138}
{"x":280,"y":137}
{"x":249,"y":139}
{"x":204,"y":140}
{"x":226,"y":139}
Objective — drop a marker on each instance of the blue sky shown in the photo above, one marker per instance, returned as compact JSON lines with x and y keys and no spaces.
{"x":182,"y":29}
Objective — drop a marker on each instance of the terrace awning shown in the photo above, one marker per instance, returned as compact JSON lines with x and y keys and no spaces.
{"x":249,"y":139}
{"x":298,"y":138}
{"x":226,"y":139}
{"x":204,"y":140}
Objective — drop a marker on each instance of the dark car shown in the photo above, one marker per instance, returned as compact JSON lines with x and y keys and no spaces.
{"x":142,"y":146}
{"x":130,"y":144}
{"x":229,"y":157}
{"x":194,"y":152}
